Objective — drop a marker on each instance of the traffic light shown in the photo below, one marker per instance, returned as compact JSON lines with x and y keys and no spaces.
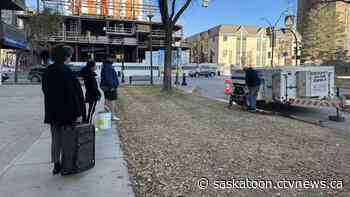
{"x":283,"y":30}
{"x":269,"y":31}
{"x":205,"y":3}
{"x":295,"y":50}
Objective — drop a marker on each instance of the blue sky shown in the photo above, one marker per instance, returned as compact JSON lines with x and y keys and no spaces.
{"x":244,"y":12}
{"x":240,"y":12}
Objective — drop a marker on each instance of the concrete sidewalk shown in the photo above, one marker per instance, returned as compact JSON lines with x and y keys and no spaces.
{"x":29,"y":175}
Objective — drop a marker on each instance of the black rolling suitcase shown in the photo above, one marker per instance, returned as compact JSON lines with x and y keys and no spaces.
{"x":78,"y":149}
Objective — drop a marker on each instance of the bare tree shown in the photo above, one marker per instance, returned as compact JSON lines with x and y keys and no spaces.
{"x":332,"y":1}
{"x":41,"y":27}
{"x":170,"y":15}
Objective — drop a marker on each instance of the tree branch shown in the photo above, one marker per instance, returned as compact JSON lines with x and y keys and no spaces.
{"x":331,"y":1}
{"x":181,"y":11}
{"x":173,"y":9}
{"x":163,"y":8}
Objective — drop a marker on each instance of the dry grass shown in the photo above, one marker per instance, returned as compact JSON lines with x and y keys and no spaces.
{"x":172,"y":140}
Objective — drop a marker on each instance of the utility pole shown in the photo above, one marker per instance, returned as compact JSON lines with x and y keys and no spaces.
{"x":150,"y":16}
{"x":123,"y":61}
{"x":270,"y":31}
{"x":150,"y":46}
{"x":37,"y":6}
{"x":273,"y":42}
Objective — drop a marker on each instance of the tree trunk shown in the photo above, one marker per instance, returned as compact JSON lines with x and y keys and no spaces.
{"x":16,"y":67}
{"x":167,"y":59}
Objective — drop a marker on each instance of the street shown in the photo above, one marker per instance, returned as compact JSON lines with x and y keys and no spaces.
{"x":214,"y":88}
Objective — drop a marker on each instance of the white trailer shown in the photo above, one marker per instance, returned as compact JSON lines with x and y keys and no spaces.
{"x":311,"y":86}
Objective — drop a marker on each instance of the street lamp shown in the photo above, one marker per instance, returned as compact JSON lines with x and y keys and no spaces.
{"x":271,"y":31}
{"x":123,"y":59}
{"x":177,"y":66}
{"x":296,"y":42}
{"x":150,"y":16}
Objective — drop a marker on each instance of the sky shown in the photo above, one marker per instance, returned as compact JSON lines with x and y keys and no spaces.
{"x":239,"y":12}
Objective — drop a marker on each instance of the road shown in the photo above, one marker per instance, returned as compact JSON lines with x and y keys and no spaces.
{"x":21,"y":120}
{"x":213,"y":88}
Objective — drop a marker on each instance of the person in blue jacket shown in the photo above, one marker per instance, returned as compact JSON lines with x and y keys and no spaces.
{"x":109,"y":84}
{"x":253,"y":82}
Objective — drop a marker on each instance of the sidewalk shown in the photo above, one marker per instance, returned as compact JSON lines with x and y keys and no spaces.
{"x":29,"y":175}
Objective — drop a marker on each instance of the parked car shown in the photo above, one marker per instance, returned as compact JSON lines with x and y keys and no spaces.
{"x":36,"y":72}
{"x":4,"y":77}
{"x":206,"y":70}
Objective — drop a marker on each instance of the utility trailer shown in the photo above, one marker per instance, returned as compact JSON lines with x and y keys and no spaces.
{"x":309,"y":86}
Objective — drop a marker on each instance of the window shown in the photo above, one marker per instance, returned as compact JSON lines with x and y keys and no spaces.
{"x":225,"y":38}
{"x":238,"y":51}
{"x":224,"y":53}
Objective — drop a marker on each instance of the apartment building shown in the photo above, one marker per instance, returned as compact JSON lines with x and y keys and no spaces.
{"x":237,"y":45}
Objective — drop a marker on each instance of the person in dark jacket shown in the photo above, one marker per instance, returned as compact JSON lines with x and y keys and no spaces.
{"x":109,"y":84}
{"x":92,"y":94}
{"x":63,"y":97}
{"x":253,"y":82}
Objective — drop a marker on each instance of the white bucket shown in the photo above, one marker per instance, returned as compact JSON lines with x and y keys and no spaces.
{"x":104,"y":120}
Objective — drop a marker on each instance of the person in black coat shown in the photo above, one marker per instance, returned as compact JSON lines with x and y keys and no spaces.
{"x":63,"y":97}
{"x":253,"y":82}
{"x":92,"y":94}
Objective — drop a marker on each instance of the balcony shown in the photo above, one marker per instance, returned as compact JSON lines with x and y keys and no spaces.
{"x":72,"y":36}
{"x":161,"y":33}
{"x":142,"y":28}
{"x":12,"y":5}
{"x":124,"y":41}
{"x":12,"y":37}
{"x":119,"y":30}
{"x":186,"y":45}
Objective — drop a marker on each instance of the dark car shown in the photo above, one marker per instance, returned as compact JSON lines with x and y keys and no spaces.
{"x":203,"y":70}
{"x":36,"y":72}
{"x":4,"y":77}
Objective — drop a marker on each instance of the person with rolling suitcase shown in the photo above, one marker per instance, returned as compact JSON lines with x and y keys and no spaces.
{"x":73,"y":144}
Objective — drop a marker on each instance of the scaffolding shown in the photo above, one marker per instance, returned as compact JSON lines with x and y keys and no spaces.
{"x":115,"y":9}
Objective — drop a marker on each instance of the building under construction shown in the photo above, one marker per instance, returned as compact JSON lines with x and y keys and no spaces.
{"x":95,"y":28}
